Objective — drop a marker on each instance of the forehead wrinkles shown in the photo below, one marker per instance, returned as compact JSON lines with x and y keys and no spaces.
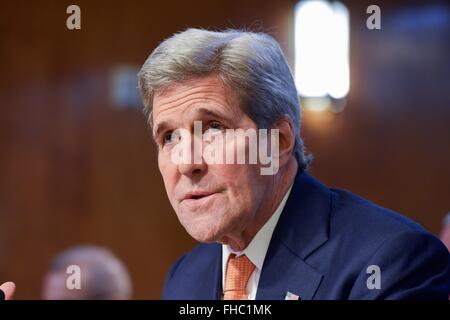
{"x":169,"y":99}
{"x":177,"y":91}
{"x":189,"y":100}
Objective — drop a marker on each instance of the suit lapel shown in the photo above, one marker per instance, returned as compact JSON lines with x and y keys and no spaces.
{"x":284,"y":272}
{"x":301,"y":229}
{"x":209,"y":287}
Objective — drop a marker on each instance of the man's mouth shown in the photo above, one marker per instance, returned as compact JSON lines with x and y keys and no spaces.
{"x":198,"y":198}
{"x":197,"y":195}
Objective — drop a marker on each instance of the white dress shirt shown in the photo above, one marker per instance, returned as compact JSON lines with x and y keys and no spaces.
{"x":256,"y":250}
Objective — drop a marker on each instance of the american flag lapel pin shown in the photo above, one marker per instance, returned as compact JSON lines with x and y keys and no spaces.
{"x":291,"y":296}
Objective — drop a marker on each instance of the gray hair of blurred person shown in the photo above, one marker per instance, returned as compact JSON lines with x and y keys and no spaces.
{"x":108,"y":278}
{"x":250,"y":63}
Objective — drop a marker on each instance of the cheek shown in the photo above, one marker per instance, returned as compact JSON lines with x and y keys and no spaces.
{"x":240,"y":182}
{"x":250,"y":187}
{"x":168,"y":172}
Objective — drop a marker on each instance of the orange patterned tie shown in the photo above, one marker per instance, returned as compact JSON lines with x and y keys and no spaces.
{"x":239,"y":270}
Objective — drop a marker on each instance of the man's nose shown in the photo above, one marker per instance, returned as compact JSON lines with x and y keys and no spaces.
{"x":192,"y":169}
{"x":196,"y":166}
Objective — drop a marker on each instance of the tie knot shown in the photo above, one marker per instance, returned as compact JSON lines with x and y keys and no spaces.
{"x":239,"y":270}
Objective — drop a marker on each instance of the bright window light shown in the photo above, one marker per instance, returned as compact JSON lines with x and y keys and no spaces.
{"x":322,"y":49}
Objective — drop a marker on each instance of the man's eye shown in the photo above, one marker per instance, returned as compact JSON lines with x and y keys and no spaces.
{"x":170,"y":137}
{"x":215,"y":126}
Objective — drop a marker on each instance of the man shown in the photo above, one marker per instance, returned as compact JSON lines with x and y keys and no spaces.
{"x":267,"y":236}
{"x":102,"y":276}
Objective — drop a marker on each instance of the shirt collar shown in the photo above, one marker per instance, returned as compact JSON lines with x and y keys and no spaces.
{"x":257,"y":248}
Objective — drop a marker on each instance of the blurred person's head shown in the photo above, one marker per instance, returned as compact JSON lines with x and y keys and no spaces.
{"x":445,"y":231}
{"x":102,"y":276}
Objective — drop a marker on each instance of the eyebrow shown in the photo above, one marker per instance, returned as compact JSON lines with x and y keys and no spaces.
{"x":160,"y":127}
{"x":163,"y":125}
{"x":212,"y":113}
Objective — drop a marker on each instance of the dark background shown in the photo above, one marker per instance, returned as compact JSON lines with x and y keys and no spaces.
{"x":75,"y":168}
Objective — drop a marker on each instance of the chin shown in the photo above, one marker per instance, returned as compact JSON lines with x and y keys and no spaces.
{"x":205,"y":237}
{"x":205,"y":234}
{"x":208,"y":226}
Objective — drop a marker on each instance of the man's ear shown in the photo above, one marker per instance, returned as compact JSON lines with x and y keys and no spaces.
{"x":286,"y":139}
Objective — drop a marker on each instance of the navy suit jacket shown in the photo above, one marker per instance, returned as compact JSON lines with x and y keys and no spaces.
{"x":321,"y":248}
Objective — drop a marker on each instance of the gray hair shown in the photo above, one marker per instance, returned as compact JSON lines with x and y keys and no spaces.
{"x":250,"y":63}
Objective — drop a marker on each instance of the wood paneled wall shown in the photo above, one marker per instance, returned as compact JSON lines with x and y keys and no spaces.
{"x":74,"y":169}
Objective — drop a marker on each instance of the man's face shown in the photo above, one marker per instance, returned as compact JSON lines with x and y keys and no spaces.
{"x":212,"y":201}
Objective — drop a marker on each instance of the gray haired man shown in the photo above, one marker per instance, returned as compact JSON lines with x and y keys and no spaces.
{"x":279,"y":236}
